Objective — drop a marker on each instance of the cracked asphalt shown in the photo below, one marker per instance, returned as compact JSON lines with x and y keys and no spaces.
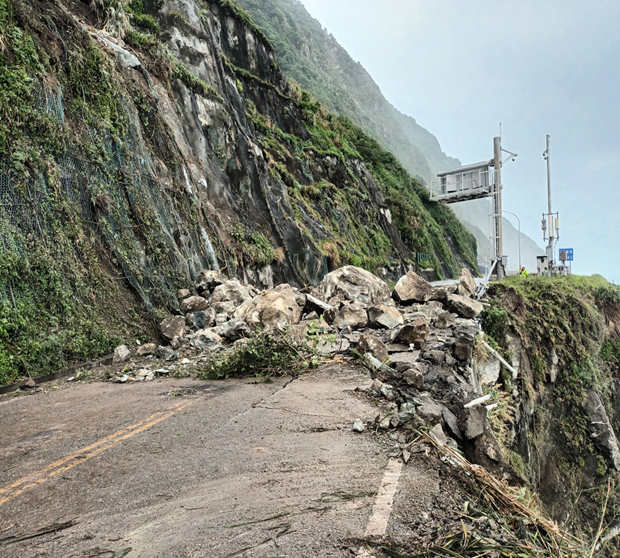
{"x":186,"y":468}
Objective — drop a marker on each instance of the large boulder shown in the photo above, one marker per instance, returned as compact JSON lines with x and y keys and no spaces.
{"x":466,"y":284}
{"x":383,"y":316}
{"x":229,"y":296}
{"x":354,"y":284}
{"x":440,"y":293}
{"x":194,"y":304}
{"x":206,"y":340}
{"x":208,"y":280}
{"x":234,"y":329}
{"x":271,"y":309}
{"x":415,"y":333}
{"x":463,"y":306}
{"x":172,"y":326}
{"x":411,"y":288}
{"x":350,"y":315}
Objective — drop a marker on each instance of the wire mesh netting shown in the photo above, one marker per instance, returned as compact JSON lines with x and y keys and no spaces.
{"x":121,"y":202}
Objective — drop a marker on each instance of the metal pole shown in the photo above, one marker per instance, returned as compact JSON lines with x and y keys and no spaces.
{"x":550,"y":223}
{"x":519,"y":221}
{"x":497,"y":206}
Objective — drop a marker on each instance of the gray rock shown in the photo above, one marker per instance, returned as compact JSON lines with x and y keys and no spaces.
{"x":312,"y":316}
{"x":171,"y":327}
{"x":414,"y":377}
{"x":358,"y":426}
{"x":270,"y":310}
{"x":208,"y":280}
{"x":384,"y":316}
{"x":440,"y":293}
{"x":121,"y":354}
{"x":600,"y":427}
{"x":328,"y":348}
{"x":404,"y":361}
{"x":194,"y":304}
{"x":313,"y":304}
{"x":204,"y":318}
{"x":411,"y":288}
{"x":444,"y":320}
{"x":429,"y":410}
{"x":350,"y":315}
{"x":450,"y":420}
{"x":415,"y":333}
{"x":438,"y":433}
{"x":183,"y":293}
{"x":206,"y":340}
{"x":465,"y":307}
{"x":434,"y":356}
{"x":234,"y":329}
{"x":488,"y":371}
{"x":466,"y":284}
{"x":166,"y":353}
{"x":230,"y":293}
{"x":475,"y":419}
{"x":355,"y":284}
{"x":373,"y":345}
{"x":147,"y":349}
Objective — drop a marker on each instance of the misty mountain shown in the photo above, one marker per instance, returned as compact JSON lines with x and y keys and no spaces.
{"x":311,"y":56}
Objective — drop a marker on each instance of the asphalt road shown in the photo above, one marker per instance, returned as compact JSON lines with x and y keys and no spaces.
{"x":182,"y":468}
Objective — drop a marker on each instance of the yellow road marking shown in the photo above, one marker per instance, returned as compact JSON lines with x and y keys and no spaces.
{"x":88,"y":452}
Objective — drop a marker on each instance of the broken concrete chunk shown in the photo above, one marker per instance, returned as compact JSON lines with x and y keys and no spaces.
{"x":171,"y":327}
{"x":194,"y":304}
{"x":374,"y":346}
{"x":355,"y":284}
{"x":463,"y":306}
{"x":415,"y":333}
{"x":384,"y":316}
{"x":411,"y":288}
{"x":121,"y":354}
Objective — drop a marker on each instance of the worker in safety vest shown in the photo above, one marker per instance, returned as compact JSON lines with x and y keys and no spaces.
{"x":523,"y":272}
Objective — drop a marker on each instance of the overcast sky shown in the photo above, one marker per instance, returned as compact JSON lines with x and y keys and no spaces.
{"x":538,"y":66}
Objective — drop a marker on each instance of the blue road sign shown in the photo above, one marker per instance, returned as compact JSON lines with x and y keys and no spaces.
{"x":569,"y":254}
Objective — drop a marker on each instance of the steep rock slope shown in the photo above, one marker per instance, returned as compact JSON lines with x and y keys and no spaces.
{"x":310,"y":55}
{"x":128,"y":166}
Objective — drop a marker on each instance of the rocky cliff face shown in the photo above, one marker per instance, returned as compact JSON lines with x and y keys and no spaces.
{"x":145,"y":142}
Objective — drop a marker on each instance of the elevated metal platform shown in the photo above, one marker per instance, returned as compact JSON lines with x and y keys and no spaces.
{"x":465,"y":183}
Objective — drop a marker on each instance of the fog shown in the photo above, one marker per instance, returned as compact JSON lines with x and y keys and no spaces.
{"x":538,"y":67}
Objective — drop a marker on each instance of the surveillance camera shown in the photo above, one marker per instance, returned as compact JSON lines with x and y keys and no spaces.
{"x":514,"y":158}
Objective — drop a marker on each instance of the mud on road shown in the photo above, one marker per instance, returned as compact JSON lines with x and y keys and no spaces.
{"x":182,"y":468}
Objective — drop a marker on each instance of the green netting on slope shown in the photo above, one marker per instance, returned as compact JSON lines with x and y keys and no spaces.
{"x":119,"y":201}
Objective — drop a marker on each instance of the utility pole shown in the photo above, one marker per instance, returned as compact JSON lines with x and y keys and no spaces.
{"x":551,"y":221}
{"x":497,"y":208}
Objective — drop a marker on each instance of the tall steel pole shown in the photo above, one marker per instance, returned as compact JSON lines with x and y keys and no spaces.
{"x":551,"y":221}
{"x":497,"y":206}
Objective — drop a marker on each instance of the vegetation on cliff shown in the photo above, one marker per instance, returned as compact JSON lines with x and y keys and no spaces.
{"x":568,"y":333}
{"x":94,"y":242}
